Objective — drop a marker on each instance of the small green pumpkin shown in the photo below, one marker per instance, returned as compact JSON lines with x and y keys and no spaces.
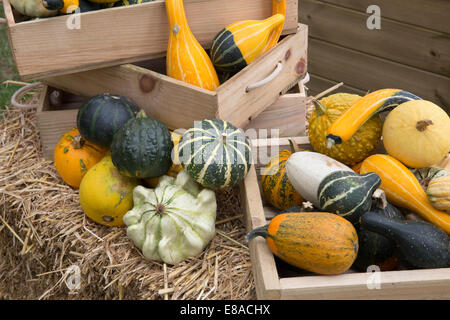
{"x":215,"y":153}
{"x":142,"y":148}
{"x":348,"y":194}
{"x":102,"y":115}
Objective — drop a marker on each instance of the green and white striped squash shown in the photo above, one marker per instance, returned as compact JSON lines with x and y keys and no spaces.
{"x":348,"y":194}
{"x":215,"y":153}
{"x":173,"y":222}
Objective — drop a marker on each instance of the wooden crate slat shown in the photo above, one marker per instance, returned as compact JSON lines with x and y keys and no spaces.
{"x":319,"y":84}
{"x":425,"y":13}
{"x":124,"y":34}
{"x":399,"y":42}
{"x":361,"y":70}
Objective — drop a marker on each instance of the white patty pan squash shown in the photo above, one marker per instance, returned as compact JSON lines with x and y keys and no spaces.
{"x":173,"y":222}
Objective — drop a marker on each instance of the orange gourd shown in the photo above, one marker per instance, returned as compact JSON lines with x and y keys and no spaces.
{"x":319,"y":242}
{"x":278,"y":6}
{"x":74,"y":156}
{"x":403,"y":189}
{"x":186,"y":59}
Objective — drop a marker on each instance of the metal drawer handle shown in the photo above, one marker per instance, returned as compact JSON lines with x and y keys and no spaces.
{"x":266,"y":80}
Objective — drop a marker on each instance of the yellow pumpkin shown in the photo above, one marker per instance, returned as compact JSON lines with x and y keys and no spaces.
{"x":176,"y":164}
{"x":417,"y":133}
{"x":74,"y":156}
{"x":359,"y":146}
{"x":186,"y":59}
{"x":106,"y":195}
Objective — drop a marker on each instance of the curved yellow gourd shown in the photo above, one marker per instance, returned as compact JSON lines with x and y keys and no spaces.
{"x":242,"y":42}
{"x":346,"y":125}
{"x":186,"y":59}
{"x":278,"y":6}
{"x":403,"y":189}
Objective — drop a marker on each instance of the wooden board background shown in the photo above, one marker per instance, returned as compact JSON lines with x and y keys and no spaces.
{"x":411,"y":51}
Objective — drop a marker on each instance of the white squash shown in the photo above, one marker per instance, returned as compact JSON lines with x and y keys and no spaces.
{"x":173,"y":222}
{"x":305,"y":170}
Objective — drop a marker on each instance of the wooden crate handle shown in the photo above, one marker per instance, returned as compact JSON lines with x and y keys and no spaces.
{"x":266,"y":80}
{"x":20,"y":92}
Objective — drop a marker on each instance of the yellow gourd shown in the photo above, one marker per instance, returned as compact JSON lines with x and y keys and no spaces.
{"x":417,"y":133}
{"x":278,"y":6}
{"x":348,"y":123}
{"x":438,"y":192}
{"x":403,"y":189}
{"x":105,"y":194}
{"x":186,"y":59}
{"x":242,"y":42}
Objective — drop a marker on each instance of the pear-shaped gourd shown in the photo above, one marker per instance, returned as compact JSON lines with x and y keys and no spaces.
{"x":173,"y":222}
{"x":186,"y":59}
{"x":240,"y":43}
{"x":32,"y":8}
{"x":278,"y":6}
{"x":418,"y":244}
{"x":348,"y":194}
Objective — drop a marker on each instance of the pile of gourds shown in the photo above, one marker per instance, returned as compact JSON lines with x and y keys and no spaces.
{"x":359,"y":198}
{"x":131,"y":170}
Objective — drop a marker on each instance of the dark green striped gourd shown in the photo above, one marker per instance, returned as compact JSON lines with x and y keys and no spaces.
{"x":142,"y":148}
{"x":102,"y":115}
{"x":348,"y":194}
{"x":215,"y":153}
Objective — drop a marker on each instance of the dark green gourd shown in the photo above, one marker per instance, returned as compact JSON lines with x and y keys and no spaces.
{"x":102,"y":115}
{"x":142,"y":148}
{"x":418,"y":245}
{"x":374,"y":248}
{"x":348,"y":194}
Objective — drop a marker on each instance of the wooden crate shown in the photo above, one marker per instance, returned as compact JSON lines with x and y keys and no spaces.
{"x":277,"y":280}
{"x":179,"y":104}
{"x":114,"y":36}
{"x":57,"y":112}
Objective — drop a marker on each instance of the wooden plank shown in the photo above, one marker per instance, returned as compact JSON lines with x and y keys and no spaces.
{"x":371,"y":73}
{"x":287,"y":115}
{"x":429,"y":14}
{"x":263,"y":263}
{"x":406,"y":284}
{"x":124,"y":34}
{"x":406,"y":44}
{"x":8,"y":12}
{"x":239,"y":106}
{"x":175,"y":103}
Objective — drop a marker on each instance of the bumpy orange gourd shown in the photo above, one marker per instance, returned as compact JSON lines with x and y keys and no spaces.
{"x":319,"y":242}
{"x":278,"y":6}
{"x":403,"y":189}
{"x":74,"y":156}
{"x":186,"y":59}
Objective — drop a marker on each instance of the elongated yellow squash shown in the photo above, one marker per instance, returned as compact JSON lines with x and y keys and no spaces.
{"x":346,"y":125}
{"x":403,"y":189}
{"x":186,"y":59}
{"x":278,"y":6}
{"x":242,"y":42}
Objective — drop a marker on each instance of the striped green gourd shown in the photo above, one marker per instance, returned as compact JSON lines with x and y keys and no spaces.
{"x":101,"y":116}
{"x":215,"y":153}
{"x":348,"y":194}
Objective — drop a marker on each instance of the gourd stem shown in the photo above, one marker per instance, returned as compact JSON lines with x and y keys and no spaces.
{"x":321,"y":109}
{"x":422,"y":125}
{"x":260,"y":231}
{"x":78,"y":142}
{"x":141,"y":114}
{"x":294,"y":146}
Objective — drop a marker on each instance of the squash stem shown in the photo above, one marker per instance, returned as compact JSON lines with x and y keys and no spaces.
{"x":78,"y":142}
{"x":141,"y":114}
{"x":260,"y":231}
{"x":422,"y":125}
{"x":321,"y":109}
{"x":294,"y":146}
